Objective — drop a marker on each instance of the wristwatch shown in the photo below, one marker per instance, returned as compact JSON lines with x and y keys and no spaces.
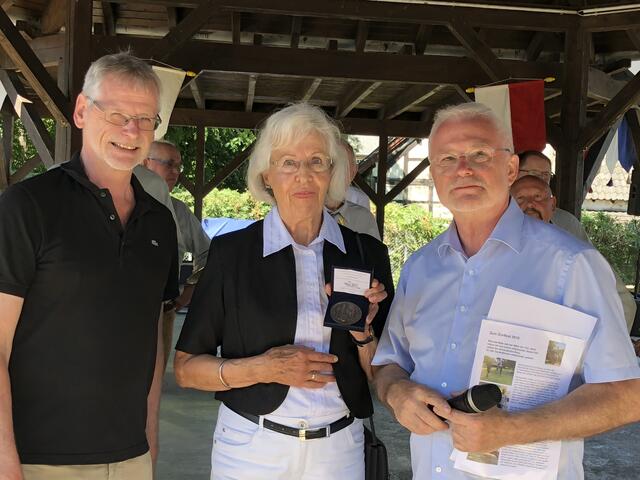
{"x":362,"y":343}
{"x":169,"y":305}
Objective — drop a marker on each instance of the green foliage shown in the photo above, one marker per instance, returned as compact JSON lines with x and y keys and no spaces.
{"x":221,"y":147}
{"x":22,"y":147}
{"x":228,"y":203}
{"x":406,"y":229}
{"x":617,"y":241}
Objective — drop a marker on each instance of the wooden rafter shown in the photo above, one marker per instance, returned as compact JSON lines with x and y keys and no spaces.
{"x":634,"y":36}
{"x":354,"y":94}
{"x":236,"y":27}
{"x":228,"y":169}
{"x":407,"y":180}
{"x":383,"y":152}
{"x":29,"y":116}
{"x":25,"y":169}
{"x":180,"y":34}
{"x":26,"y":60}
{"x":478,"y":50}
{"x":536,"y":45}
{"x":196,"y":91}
{"x":296,"y":28}
{"x":627,"y":97}
{"x":53,"y":17}
{"x":251,"y":93}
{"x":611,"y":22}
{"x":362,"y":35}
{"x":309,"y":88}
{"x":198,"y":55}
{"x":109,"y":18}
{"x":423,"y":35}
{"x":408,"y":98}
{"x":364,"y":186}
{"x":241,"y":119}
{"x":173,"y":17}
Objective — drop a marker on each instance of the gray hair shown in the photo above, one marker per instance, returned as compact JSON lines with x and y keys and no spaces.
{"x":165,"y":143}
{"x":121,"y":65}
{"x":471,"y":111}
{"x":287,"y":127}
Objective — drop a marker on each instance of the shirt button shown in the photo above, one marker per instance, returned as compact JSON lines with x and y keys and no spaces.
{"x":443,"y":384}
{"x":463,"y":308}
{"x":438,"y":469}
{"x":112,"y":217}
{"x":303,"y":424}
{"x":472,"y":272}
{"x":453,"y":346}
{"x":103,"y":194}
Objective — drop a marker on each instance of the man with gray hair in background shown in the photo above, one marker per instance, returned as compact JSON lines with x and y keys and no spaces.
{"x":427,"y":349}
{"x":165,"y":160}
{"x":86,"y":259}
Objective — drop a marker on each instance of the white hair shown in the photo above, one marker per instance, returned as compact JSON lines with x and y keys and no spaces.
{"x":287,"y":127}
{"x":471,"y":111}
{"x":120,"y":65}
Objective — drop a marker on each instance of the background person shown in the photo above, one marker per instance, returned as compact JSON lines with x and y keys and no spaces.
{"x":446,"y":288}
{"x":282,"y":375}
{"x":539,"y":165}
{"x":86,"y":259}
{"x":165,"y":160}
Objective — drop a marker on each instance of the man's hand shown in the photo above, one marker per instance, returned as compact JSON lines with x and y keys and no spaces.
{"x":478,"y":432}
{"x":410,"y":404}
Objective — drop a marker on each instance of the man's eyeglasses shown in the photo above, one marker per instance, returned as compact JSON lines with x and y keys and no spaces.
{"x":317,"y":164}
{"x":537,"y":198}
{"x":475,"y":157}
{"x":121,"y":119}
{"x":168,"y":163}
{"x":546,"y":176}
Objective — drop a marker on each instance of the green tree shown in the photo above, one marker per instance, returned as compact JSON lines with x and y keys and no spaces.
{"x":22,"y":146}
{"x":221,"y":147}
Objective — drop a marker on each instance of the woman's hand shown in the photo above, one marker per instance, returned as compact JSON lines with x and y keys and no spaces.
{"x":375,"y":295}
{"x":298,"y":366}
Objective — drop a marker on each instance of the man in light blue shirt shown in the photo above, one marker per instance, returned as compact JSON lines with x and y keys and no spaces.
{"x":426,"y":351}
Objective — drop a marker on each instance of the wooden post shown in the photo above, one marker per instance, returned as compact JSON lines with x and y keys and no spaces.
{"x":383,"y":150}
{"x":570,"y":158}
{"x":199,"y":186}
{"x":77,"y":58}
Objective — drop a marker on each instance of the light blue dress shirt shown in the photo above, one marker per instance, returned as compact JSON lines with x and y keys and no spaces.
{"x":443,"y":295}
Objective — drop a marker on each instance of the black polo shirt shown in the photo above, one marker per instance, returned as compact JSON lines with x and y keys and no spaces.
{"x":84,"y":349}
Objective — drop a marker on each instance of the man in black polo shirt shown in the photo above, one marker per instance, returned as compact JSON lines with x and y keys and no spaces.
{"x":86,"y":259}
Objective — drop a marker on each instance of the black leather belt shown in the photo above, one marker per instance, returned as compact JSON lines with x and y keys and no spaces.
{"x":301,"y":433}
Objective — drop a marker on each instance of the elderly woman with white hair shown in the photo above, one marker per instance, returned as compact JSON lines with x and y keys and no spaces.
{"x":293,"y":391}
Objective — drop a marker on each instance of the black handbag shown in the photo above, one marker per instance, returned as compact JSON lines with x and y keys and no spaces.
{"x":376,"y":464}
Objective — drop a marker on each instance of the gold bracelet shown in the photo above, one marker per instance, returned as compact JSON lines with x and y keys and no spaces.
{"x":220,"y":374}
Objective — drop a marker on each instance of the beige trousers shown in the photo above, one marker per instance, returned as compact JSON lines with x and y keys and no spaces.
{"x":138,"y":468}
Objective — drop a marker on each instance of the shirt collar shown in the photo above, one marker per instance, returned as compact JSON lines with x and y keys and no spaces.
{"x":276,"y":236}
{"x":508,"y":231}
{"x":75,"y":169}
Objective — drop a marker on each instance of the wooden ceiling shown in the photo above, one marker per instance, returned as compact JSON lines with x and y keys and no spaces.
{"x":378,"y":66}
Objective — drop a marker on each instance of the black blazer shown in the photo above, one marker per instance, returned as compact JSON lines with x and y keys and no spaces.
{"x":246,"y":304}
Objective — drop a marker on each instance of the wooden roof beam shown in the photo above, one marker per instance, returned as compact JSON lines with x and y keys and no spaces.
{"x":423,"y":35}
{"x":309,"y":88}
{"x":478,"y":50}
{"x":196,"y":91}
{"x":25,"y":169}
{"x":355,"y":93}
{"x":411,"y":96}
{"x":26,"y":60}
{"x":634,"y":36}
{"x":180,"y":34}
{"x":198,"y":55}
{"x":54,"y":17}
{"x":29,"y":116}
{"x":296,"y":28}
{"x":109,"y":17}
{"x":361,"y":36}
{"x":251,"y":93}
{"x":236,"y":27}
{"x":625,"y":99}
{"x":611,"y":22}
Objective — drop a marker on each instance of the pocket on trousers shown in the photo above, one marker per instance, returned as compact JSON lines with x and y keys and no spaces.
{"x":355,"y":433}
{"x":234,"y":432}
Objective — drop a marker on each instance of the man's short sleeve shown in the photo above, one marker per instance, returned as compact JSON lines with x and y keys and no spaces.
{"x":393,"y":346}
{"x":609,"y":355}
{"x":21,"y":235}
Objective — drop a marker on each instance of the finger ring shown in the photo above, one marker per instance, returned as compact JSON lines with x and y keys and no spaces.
{"x":313,"y":376}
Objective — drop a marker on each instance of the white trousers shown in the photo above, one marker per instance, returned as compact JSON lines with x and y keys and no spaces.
{"x":243,"y":450}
